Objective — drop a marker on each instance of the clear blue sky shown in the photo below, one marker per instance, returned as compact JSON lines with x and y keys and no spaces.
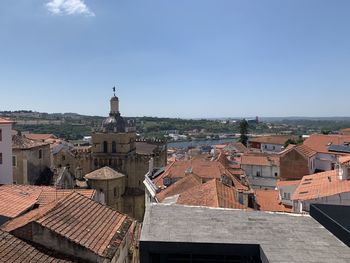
{"x":176,"y":58}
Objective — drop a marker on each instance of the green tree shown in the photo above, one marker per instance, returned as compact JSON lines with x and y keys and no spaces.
{"x":243,"y":130}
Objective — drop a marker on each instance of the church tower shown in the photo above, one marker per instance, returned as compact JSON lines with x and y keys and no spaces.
{"x":114,"y":145}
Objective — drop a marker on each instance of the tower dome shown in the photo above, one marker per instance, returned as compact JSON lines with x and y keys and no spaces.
{"x":115,"y":122}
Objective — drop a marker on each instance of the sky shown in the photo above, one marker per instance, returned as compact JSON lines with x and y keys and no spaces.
{"x":176,"y":58}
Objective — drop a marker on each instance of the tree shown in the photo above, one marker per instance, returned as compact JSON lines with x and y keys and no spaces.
{"x":243,"y":130}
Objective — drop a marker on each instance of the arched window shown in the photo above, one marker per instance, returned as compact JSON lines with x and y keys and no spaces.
{"x":105,"y":147}
{"x":114,"y":147}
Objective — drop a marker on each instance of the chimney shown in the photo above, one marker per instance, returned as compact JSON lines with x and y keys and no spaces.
{"x":150,"y":166}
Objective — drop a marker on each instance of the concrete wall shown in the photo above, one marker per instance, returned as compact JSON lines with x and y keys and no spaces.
{"x":6,"y":173}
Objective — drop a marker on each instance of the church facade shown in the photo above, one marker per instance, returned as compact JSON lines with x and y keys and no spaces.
{"x":115,"y":145}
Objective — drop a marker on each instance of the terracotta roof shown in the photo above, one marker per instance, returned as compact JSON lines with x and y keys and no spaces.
{"x":273,"y":139}
{"x":240,"y":147}
{"x":5,"y":121}
{"x":21,"y":142}
{"x":180,"y":186}
{"x":51,"y":194}
{"x":104,"y":173}
{"x":83,"y":221}
{"x":287,"y":150}
{"x":320,"y":185}
{"x":39,"y":136}
{"x":23,"y":197}
{"x":13,"y":250}
{"x":287,"y":183}
{"x":305,"y":150}
{"x":261,"y":160}
{"x":344,"y":159}
{"x":212,"y":194}
{"x":238,"y":185}
{"x":269,"y":200}
{"x":200,"y":167}
{"x":15,"y":201}
{"x":346,"y":130}
{"x":320,"y":142}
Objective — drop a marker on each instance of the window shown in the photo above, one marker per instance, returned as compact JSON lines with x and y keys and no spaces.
{"x":0,"y":135}
{"x":14,"y":161}
{"x":258,"y":173}
{"x":105,"y":147}
{"x":273,"y":147}
{"x":114,"y":147}
{"x":0,"y":158}
{"x":115,"y":192}
{"x":265,"y":146}
{"x":40,"y":154}
{"x":63,"y":158}
{"x":276,"y":174}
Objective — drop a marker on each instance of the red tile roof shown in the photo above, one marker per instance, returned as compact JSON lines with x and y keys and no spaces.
{"x":104,"y":173}
{"x":260,"y":160}
{"x":305,"y":150}
{"x":269,"y":200}
{"x":14,"y":250}
{"x":240,"y":147}
{"x":50,"y":194}
{"x":288,"y":149}
{"x":211,"y":194}
{"x":15,"y":201}
{"x":83,"y":221}
{"x":273,"y":139}
{"x":180,"y":186}
{"x":201,"y":168}
{"x":344,"y":159}
{"x":39,"y":136}
{"x":320,"y":185}
{"x":24,"y":197}
{"x":320,"y":142}
{"x":5,"y":121}
{"x":21,"y":142}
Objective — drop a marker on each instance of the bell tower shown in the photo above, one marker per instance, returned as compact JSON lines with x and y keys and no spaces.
{"x":114,"y":105}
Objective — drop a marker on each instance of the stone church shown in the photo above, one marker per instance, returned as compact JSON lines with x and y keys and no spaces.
{"x":116,"y":163}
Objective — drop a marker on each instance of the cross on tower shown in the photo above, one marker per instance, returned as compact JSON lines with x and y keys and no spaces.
{"x":114,"y":90}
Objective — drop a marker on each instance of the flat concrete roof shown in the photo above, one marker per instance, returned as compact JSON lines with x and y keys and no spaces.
{"x":283,"y":237}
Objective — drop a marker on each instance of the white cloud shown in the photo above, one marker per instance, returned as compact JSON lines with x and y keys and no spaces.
{"x":69,"y":7}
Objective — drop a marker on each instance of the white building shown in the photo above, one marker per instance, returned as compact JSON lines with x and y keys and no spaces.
{"x":269,"y":144}
{"x":262,"y":171}
{"x":328,"y":148}
{"x":6,"y":176}
{"x":286,"y":190}
{"x":330,"y":187}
